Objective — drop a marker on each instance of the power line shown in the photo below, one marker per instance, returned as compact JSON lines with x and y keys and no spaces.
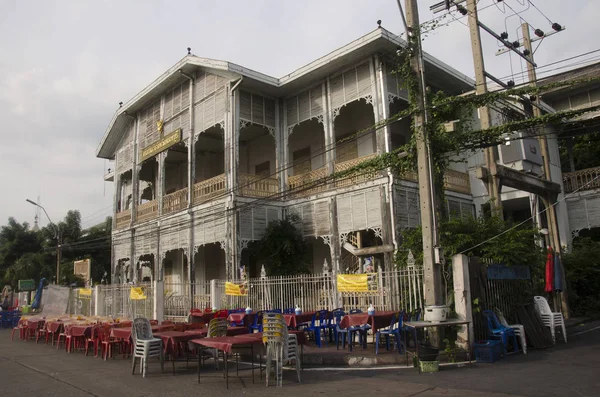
{"x":530,"y":218}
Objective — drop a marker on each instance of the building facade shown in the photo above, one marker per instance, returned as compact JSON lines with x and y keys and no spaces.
{"x":211,"y":152}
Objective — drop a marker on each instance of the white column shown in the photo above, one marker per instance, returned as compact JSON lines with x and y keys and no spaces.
{"x":159,"y":304}
{"x":160,"y":191}
{"x":462,"y":298}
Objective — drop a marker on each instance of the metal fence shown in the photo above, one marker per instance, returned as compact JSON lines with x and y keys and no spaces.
{"x":81,"y":302}
{"x":180,"y":298}
{"x":393,"y":290}
{"x":119,"y":301}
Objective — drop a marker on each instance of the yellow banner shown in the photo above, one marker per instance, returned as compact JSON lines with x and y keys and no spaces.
{"x":353,"y":282}
{"x":137,"y":294}
{"x":163,"y":144}
{"x":232,"y":289}
{"x":85,"y":293}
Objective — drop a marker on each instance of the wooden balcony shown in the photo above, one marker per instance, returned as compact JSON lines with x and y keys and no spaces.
{"x":307,"y":184}
{"x":354,"y":179}
{"x":587,"y":179}
{"x":175,"y":201}
{"x":123,"y":219}
{"x":257,"y":186}
{"x":147,"y":211}
{"x":209,"y":188}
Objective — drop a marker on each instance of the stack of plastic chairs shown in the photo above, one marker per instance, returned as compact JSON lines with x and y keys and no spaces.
{"x":498,"y":331}
{"x":549,"y":318}
{"x":145,"y":345}
{"x":281,"y":346}
{"x":518,"y":328}
{"x":217,"y":327}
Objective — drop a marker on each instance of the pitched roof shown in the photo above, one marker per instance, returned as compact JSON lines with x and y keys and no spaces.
{"x":378,"y":41}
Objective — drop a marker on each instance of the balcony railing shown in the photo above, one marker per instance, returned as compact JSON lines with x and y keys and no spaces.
{"x":359,"y":177}
{"x":586,"y":179}
{"x":175,"y":201}
{"x":209,"y":188}
{"x":307,"y":184}
{"x":123,"y":219}
{"x":258,"y":186}
{"x":147,"y":211}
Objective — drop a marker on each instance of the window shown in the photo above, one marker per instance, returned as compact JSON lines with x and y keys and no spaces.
{"x":301,"y":160}
{"x":263,"y":169}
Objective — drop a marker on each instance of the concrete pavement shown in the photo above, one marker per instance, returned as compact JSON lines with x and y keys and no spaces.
{"x":27,"y":369}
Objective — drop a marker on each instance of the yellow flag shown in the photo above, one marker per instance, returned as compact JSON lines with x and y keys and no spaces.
{"x":85,"y":293}
{"x":137,"y":294}
{"x":352,"y":282}
{"x":232,"y":289}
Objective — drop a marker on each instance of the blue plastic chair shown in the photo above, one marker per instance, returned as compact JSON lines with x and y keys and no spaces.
{"x":394,"y":330}
{"x":362,"y":328}
{"x":334,"y":321}
{"x":318,"y":326}
{"x":256,"y":325}
{"x":498,"y":331}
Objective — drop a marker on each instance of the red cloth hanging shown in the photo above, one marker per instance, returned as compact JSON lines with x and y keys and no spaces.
{"x":549,"y":271}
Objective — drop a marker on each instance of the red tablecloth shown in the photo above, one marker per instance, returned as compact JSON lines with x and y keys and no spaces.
{"x":231,"y":331}
{"x":376,"y":321}
{"x":125,"y":332}
{"x":172,"y":339}
{"x":293,"y":320}
{"x":202,"y":317}
{"x":243,"y":318}
{"x":300,"y":335}
{"x":79,"y":330}
{"x":227,"y":343}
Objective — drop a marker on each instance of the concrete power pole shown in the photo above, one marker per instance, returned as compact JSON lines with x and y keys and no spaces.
{"x":431,"y":255}
{"x":548,"y":201}
{"x":493,"y":186}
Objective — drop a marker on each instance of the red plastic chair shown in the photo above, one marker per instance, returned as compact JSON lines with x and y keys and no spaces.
{"x":222,"y":314}
{"x":92,"y":340}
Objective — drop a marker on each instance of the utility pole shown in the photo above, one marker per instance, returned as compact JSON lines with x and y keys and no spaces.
{"x":493,"y":185}
{"x":431,"y":253}
{"x":553,"y":230}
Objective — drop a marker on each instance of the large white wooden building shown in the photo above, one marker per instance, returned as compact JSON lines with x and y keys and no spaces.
{"x":211,"y":152}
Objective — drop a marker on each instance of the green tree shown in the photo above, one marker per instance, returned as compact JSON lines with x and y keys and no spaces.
{"x":16,"y":239}
{"x":582,"y":270}
{"x":282,"y":249}
{"x":586,"y":152}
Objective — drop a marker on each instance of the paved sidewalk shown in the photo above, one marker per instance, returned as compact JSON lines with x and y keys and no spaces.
{"x":565,"y":370}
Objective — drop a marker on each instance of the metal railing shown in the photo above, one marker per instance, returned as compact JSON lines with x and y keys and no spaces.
{"x":147,"y":211}
{"x":80,"y":302}
{"x":175,"y":201}
{"x":209,"y":188}
{"x":123,"y":219}
{"x":180,"y":298}
{"x":586,"y":179}
{"x":390,"y":290}
{"x":116,"y":301}
{"x":258,"y":186}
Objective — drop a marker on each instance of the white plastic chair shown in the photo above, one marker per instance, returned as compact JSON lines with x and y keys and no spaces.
{"x":518,"y":328}
{"x":145,"y":345}
{"x":281,"y":346}
{"x":549,"y":318}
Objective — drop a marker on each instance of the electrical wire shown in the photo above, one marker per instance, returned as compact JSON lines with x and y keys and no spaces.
{"x":540,"y":11}
{"x":530,"y":218}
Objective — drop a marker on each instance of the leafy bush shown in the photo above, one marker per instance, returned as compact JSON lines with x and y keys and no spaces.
{"x":582,"y":271}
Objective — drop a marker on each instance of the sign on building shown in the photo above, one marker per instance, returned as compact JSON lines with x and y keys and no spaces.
{"x":26,"y":285}
{"x":83,"y":269}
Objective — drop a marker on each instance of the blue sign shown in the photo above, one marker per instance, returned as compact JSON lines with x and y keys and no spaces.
{"x":502,"y":272}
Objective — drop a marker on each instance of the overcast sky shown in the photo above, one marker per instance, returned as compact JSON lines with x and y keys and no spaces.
{"x":65,"y":65}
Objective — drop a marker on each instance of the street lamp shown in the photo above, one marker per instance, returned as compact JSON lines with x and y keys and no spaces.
{"x":56,"y":235}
